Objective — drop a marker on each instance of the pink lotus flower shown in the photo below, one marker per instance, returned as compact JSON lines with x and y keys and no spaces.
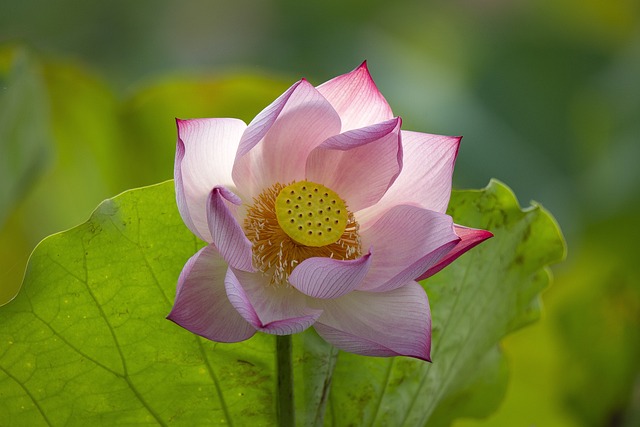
{"x":321,"y":212}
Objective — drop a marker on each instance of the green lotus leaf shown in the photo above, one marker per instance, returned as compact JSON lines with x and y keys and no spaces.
{"x":86,"y":341}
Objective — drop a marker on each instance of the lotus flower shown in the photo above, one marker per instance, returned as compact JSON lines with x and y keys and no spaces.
{"x":321,"y":212}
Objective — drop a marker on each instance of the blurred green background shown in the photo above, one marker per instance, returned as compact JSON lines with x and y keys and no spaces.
{"x":546,"y":94}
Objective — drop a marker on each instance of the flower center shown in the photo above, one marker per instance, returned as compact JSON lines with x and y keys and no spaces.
{"x":311,"y":214}
{"x":289,"y":224}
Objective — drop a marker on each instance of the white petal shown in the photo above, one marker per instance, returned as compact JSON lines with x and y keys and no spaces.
{"x":360,"y":165}
{"x":394,"y":323}
{"x":329,"y":278}
{"x":407,"y":240}
{"x":226,"y":233}
{"x":205,"y":153}
{"x":201,"y":304}
{"x":280,"y":310}
{"x":425,"y":179}
{"x":275,"y":146}
{"x":357,"y":99}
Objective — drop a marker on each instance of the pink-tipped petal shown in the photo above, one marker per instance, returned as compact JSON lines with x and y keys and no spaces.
{"x":394,"y":323}
{"x":329,"y":278}
{"x":205,"y":153}
{"x":425,"y":179}
{"x":274,"y":309}
{"x":357,"y":99}
{"x":361,"y":164}
{"x":227,"y":235}
{"x":201,"y":304}
{"x":276,"y":144}
{"x":261,"y":123}
{"x":469,"y":237}
{"x":408,"y":241}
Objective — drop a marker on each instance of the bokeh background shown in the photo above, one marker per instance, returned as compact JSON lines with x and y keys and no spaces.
{"x":545,"y":92}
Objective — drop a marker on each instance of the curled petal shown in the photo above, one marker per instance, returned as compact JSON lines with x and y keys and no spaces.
{"x":356,"y":98}
{"x":361,"y":164}
{"x":205,"y":152}
{"x":329,"y":278}
{"x":408,"y":241}
{"x":227,"y":235}
{"x":276,"y":144}
{"x":425,"y":179}
{"x":469,"y":237}
{"x":201,"y":304}
{"x":394,"y":323}
{"x":279,"y":310}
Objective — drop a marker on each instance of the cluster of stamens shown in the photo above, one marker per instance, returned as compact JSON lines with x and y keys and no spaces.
{"x":289,"y":224}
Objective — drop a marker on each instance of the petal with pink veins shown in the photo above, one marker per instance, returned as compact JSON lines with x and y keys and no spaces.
{"x":201,"y":304}
{"x":276,"y":144}
{"x":205,"y":153}
{"x":227,"y":235}
{"x":394,"y":323}
{"x":274,"y":309}
{"x":357,"y":99}
{"x":361,"y":164}
{"x":469,"y":237}
{"x":425,"y":179}
{"x":407,"y":240}
{"x":329,"y":278}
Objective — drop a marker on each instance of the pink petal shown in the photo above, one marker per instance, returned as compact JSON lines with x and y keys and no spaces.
{"x":357,"y":99}
{"x":227,"y":235}
{"x":360,"y":165}
{"x":274,"y":309}
{"x":394,"y":323}
{"x":407,"y":240}
{"x":470,"y":237}
{"x":201,"y":304}
{"x":205,"y":153}
{"x":275,"y":146}
{"x":329,"y":278}
{"x":425,"y":179}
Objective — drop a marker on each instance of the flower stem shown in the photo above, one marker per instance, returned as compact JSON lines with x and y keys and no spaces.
{"x":286,"y":408}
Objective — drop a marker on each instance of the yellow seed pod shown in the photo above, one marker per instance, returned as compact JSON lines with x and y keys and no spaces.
{"x":311,"y":214}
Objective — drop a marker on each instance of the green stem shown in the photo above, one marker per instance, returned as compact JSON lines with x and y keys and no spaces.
{"x":286,"y":408}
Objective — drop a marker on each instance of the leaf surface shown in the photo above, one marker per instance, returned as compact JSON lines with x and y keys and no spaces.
{"x":86,"y":342}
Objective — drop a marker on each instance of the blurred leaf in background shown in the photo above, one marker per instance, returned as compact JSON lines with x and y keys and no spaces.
{"x":597,"y":323}
{"x":97,"y":145}
{"x":149,"y":114}
{"x":25,"y":138}
{"x":81,"y":136}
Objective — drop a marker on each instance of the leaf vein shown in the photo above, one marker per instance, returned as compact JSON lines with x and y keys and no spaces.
{"x":216,"y":383}
{"x":384,"y":390}
{"x":28,"y":393}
